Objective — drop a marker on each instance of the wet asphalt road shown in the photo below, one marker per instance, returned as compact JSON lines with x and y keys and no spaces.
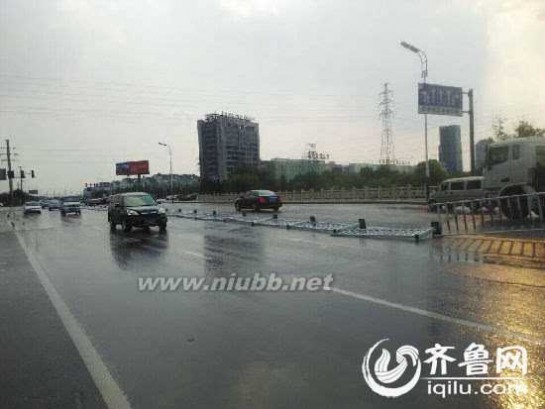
{"x":282,"y":349}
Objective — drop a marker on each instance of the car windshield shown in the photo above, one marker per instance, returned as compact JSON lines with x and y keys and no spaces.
{"x":32,"y":204}
{"x":142,"y":200}
{"x":70,"y":199}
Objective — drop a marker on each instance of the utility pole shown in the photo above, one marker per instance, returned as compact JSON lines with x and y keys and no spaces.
{"x":21,"y":177}
{"x":170,"y":159}
{"x":471,"y":131}
{"x":10,"y":173}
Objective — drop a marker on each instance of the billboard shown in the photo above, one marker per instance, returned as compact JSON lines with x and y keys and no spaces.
{"x":436,"y":99}
{"x":3,"y":174}
{"x":140,"y":167}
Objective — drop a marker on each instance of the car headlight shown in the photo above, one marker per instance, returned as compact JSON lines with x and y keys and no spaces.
{"x":132,"y":213}
{"x":162,"y":210}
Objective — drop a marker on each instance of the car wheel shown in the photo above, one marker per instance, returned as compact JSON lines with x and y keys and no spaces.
{"x":113,"y":225}
{"x":256,"y":208}
{"x":63,"y":214}
{"x":276,"y":208}
{"x":163,"y":227}
{"x":126,"y":226}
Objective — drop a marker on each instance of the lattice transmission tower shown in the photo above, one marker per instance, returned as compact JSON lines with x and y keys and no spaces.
{"x":387,"y":153}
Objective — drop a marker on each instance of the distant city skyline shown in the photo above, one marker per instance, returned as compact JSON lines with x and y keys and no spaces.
{"x":84,"y":85}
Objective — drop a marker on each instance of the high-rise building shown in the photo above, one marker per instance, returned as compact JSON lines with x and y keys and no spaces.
{"x":450,"y":148}
{"x":481,"y":148}
{"x":227,"y":142}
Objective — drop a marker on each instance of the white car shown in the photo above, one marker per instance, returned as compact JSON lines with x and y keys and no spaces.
{"x":32,"y":207}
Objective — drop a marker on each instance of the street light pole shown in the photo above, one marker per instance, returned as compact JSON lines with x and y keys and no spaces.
{"x":170,"y":159}
{"x":424,"y":69}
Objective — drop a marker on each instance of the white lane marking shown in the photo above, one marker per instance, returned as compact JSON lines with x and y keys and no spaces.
{"x":109,"y":389}
{"x":195,"y":254}
{"x":437,"y":316}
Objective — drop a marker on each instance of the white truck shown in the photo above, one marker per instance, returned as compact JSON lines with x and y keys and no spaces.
{"x":515,"y":167}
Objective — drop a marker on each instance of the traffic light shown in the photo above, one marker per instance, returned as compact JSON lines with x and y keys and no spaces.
{"x":32,"y":174}
{"x":22,"y":174}
{"x":11,"y":174}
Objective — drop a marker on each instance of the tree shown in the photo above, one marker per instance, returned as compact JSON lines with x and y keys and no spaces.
{"x":525,"y":130}
{"x":437,"y":173}
{"x":498,"y":129}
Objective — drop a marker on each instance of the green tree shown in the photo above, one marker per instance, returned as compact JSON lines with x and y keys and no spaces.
{"x":437,"y":173}
{"x":526,"y":130}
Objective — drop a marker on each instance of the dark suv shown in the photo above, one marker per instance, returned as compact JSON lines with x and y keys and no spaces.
{"x":136,"y":209}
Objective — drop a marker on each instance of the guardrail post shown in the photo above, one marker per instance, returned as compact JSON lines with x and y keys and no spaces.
{"x":472,"y":208}
{"x":455,"y":219}
{"x":529,"y":201}
{"x":540,"y":198}
{"x":519,"y":208}
{"x":465,"y":215}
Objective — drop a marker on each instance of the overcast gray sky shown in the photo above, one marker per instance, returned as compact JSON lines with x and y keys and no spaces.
{"x":85,"y":84}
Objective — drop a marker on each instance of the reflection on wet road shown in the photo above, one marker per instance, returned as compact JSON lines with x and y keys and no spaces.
{"x":281,"y":349}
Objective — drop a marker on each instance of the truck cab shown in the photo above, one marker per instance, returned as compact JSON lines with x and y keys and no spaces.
{"x":515,"y":167}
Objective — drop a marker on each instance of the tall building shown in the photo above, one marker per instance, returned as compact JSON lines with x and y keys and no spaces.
{"x":481,"y":148}
{"x":450,"y":148}
{"x":226,"y":142}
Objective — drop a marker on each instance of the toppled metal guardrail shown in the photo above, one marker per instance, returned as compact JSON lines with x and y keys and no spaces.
{"x":336,"y":229}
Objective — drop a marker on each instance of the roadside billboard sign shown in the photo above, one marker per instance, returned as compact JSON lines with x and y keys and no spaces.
{"x":140,"y":167}
{"x":3,"y":174}
{"x":436,"y":99}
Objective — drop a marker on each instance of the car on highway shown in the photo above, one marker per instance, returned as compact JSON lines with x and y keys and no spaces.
{"x":53,"y":204}
{"x":258,"y":200}
{"x":458,"y":189}
{"x":44,"y":203}
{"x":97,"y":201}
{"x":70,"y":204}
{"x":32,"y":207}
{"x":136,"y":209}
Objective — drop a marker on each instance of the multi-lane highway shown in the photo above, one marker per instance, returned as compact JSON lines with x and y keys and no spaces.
{"x":272,"y":349}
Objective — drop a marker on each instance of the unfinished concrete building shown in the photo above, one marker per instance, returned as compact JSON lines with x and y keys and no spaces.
{"x":227,"y":142}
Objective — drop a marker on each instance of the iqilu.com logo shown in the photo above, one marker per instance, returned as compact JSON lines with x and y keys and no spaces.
{"x":484,"y":373}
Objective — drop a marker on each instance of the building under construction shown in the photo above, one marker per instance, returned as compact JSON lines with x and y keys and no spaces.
{"x":227,"y":142}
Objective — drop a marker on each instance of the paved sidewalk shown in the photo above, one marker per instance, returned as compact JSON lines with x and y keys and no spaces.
{"x":519,"y":250}
{"x":39,"y":365}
